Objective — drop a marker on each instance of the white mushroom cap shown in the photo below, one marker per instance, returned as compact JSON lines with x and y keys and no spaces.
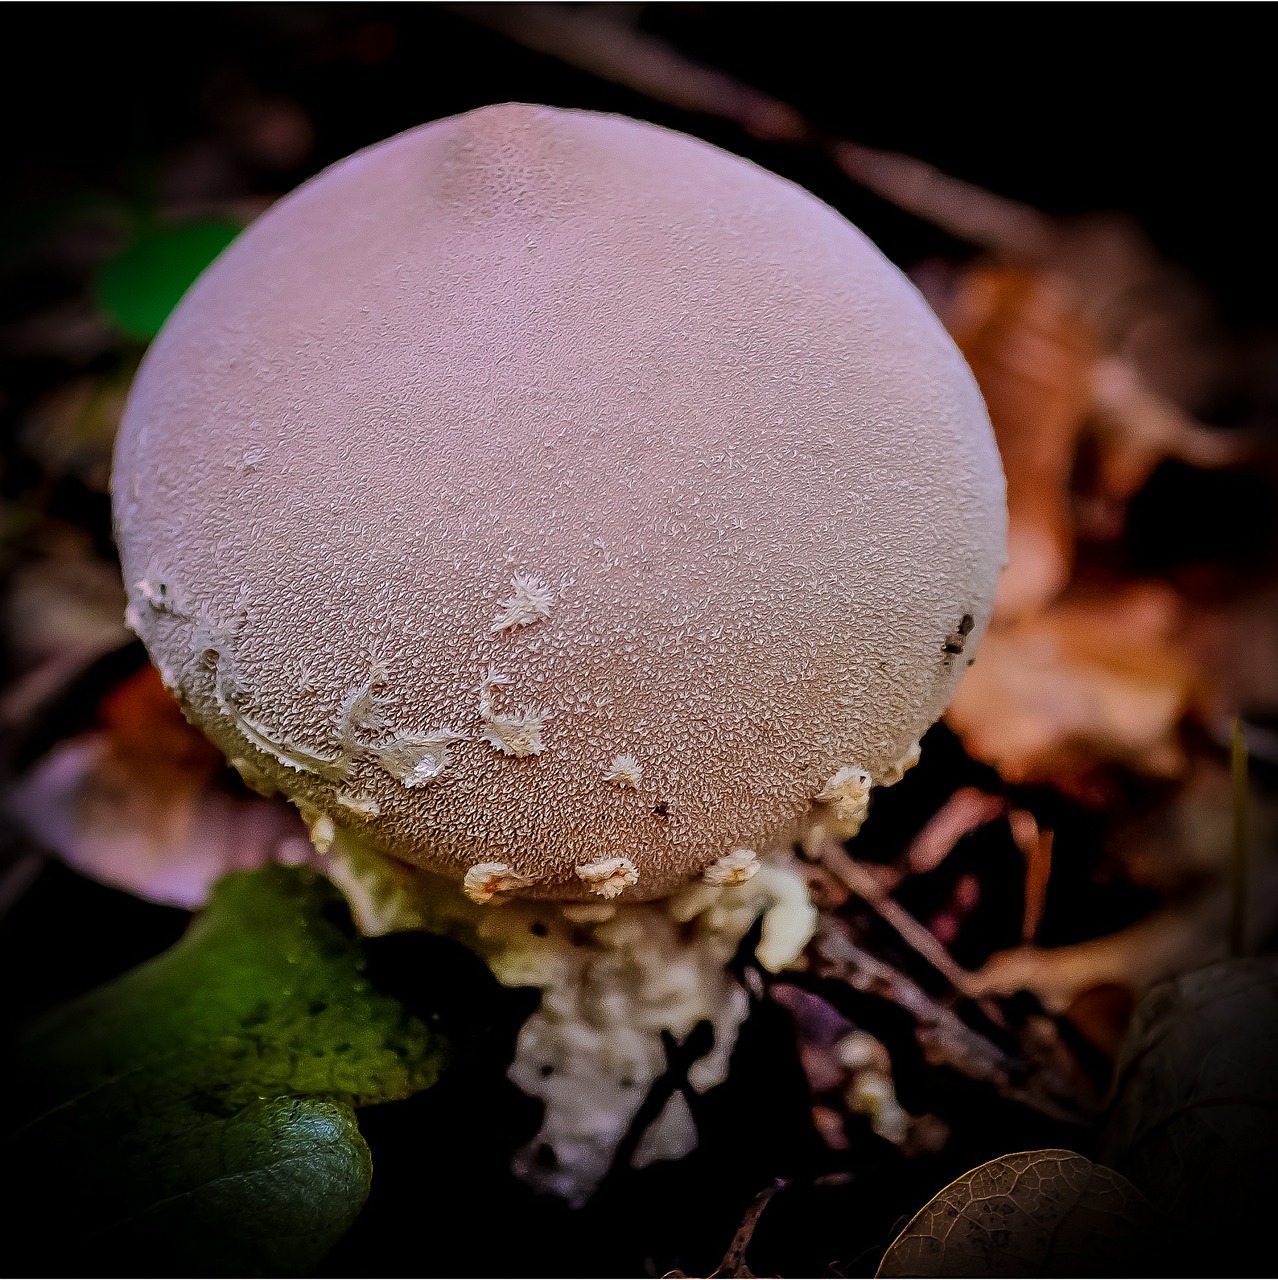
{"x":553,"y":494}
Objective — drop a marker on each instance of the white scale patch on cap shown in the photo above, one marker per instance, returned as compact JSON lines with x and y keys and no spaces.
{"x":733,"y":868}
{"x":609,"y":876}
{"x":485,"y":880}
{"x":849,"y":793}
{"x":513,"y":735}
{"x":157,"y":593}
{"x":530,"y":602}
{"x":624,"y":771}
{"x":360,"y":806}
{"x":891,"y":776}
{"x":413,"y":759}
{"x":518,"y":735}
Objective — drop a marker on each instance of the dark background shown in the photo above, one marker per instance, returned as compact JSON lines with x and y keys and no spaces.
{"x":1164,"y":112}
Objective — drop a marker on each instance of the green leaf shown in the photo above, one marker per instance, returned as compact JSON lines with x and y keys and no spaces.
{"x":197,"y":1111}
{"x":267,"y":1190}
{"x":1194,"y":1120}
{"x":140,"y":286}
{"x":1034,"y":1213}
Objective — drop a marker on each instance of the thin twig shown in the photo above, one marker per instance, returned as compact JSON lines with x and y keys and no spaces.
{"x":966,"y":811}
{"x":733,"y":1263}
{"x":593,"y":40}
{"x":943,"y":1033}
{"x":1036,"y":845}
{"x":1239,"y":868}
{"x":966,"y":211}
{"x":944,"y":1037}
{"x":857,"y":879}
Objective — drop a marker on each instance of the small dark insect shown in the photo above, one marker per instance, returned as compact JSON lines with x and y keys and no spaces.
{"x":662,"y":810}
{"x":955,"y":641}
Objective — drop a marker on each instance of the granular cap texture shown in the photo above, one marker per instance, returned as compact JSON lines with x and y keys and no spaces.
{"x":558,"y":502}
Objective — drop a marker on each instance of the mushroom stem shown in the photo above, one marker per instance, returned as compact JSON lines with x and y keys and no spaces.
{"x":612,"y":983}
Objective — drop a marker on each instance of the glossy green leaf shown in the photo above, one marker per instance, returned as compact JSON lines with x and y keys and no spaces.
{"x":197,"y":1111}
{"x":140,"y":286}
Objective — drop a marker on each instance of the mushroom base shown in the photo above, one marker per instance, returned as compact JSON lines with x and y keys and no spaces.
{"x":613,"y":978}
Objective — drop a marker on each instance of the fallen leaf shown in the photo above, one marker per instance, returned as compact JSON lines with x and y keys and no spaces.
{"x":1034,"y":1213}
{"x":1194,"y":1121}
{"x":263,"y":1191}
{"x":139,"y":805}
{"x":139,"y":287}
{"x":1135,"y":429}
{"x":1166,"y":942}
{"x":1098,"y":679}
{"x":195,"y":1113}
{"x":1033,"y":358}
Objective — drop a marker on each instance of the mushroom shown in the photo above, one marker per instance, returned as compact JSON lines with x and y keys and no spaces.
{"x":560,"y":504}
{"x":566,"y":507}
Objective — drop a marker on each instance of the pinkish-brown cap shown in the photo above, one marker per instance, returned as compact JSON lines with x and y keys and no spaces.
{"x":558,"y":502}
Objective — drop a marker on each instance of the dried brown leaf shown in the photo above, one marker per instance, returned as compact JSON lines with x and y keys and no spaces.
{"x":1033,"y":358}
{"x":1195,"y":1116}
{"x":1095,"y":680}
{"x":1169,"y":941}
{"x":1034,"y":1213}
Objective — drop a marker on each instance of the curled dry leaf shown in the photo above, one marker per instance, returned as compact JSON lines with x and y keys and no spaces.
{"x":1034,"y":1213}
{"x":1183,"y":850}
{"x":1136,"y":429}
{"x":1065,"y":683}
{"x":1163,"y":943}
{"x":1097,"y":678}
{"x":1057,"y":339}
